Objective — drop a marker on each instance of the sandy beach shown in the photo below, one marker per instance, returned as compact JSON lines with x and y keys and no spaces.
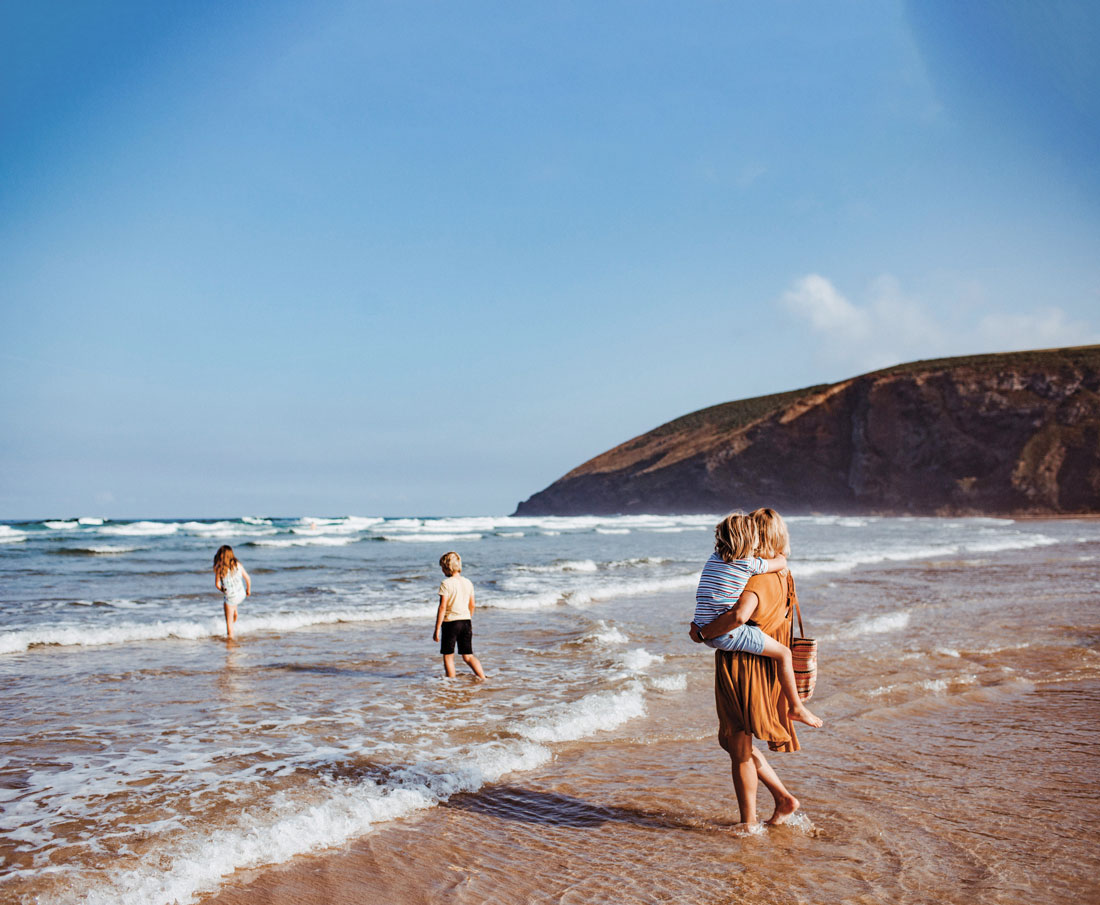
{"x":323,"y":759}
{"x":966,"y":775}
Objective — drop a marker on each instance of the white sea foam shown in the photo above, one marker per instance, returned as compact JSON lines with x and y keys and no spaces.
{"x":102,"y":549}
{"x":592,"y":713}
{"x":584,"y":593}
{"x":319,"y":541}
{"x":294,"y":824}
{"x":855,"y":559}
{"x":226,"y":529}
{"x":431,"y":538}
{"x":521,"y":602}
{"x":604,"y":634}
{"x":677,"y":682}
{"x":612,"y":530}
{"x":192,"y":630}
{"x":871,"y":625}
{"x":591,"y":593}
{"x":936,"y":686}
{"x":90,"y":520}
{"x":639,"y":561}
{"x":344,"y":525}
{"x":141,"y":528}
{"x":639,"y":659}
{"x":9,"y":535}
{"x":62,"y":525}
{"x":569,"y":565}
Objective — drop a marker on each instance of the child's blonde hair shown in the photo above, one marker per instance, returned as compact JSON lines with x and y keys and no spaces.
{"x":450,"y":563}
{"x":225,"y":561}
{"x":772,"y":531}
{"x":735,"y":537}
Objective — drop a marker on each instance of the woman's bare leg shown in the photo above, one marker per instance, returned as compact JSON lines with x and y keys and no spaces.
{"x":230,"y":620}
{"x":785,"y":803}
{"x":740,"y":750}
{"x":782,"y":655}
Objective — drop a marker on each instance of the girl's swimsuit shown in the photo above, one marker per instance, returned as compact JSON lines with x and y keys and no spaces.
{"x":233,"y":586}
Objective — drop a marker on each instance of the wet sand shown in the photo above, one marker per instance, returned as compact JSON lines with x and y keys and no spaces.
{"x":950,"y":775}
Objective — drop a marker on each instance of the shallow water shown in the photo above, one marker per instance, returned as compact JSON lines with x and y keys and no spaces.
{"x":960,"y":679}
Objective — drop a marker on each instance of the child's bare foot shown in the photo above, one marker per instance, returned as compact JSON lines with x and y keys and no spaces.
{"x":803,"y":715}
{"x":784,"y":808}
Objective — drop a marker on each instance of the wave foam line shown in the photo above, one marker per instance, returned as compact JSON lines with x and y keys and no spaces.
{"x":319,"y":541}
{"x":591,"y":593}
{"x":290,"y":827}
{"x":1023,"y":542}
{"x":429,"y":538}
{"x":592,"y":713}
{"x":96,"y":550}
{"x":141,"y":528}
{"x":871,"y":625}
{"x":83,"y":636}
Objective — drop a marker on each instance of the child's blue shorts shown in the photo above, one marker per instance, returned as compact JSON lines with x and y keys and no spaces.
{"x":748,"y":639}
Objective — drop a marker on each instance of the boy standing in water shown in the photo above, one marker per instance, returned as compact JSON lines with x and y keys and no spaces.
{"x":455,"y":616}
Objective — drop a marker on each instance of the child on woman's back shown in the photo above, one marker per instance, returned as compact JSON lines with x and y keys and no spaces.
{"x":725,"y":574}
{"x":234,"y":582}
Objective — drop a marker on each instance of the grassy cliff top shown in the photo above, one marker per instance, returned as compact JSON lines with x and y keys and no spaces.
{"x":729,"y":416}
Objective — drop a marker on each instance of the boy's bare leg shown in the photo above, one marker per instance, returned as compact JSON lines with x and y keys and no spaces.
{"x":230,"y":620}
{"x":449,"y":665}
{"x":785,"y":803}
{"x":473,"y":663}
{"x":782,"y":654}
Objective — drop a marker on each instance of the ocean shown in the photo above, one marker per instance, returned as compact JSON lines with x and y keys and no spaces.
{"x":143,"y":759}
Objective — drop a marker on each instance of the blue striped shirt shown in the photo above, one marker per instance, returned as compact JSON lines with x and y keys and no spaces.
{"x":721,"y":584}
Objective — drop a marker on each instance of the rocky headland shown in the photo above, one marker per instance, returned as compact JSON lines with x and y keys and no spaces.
{"x":1007,"y":434}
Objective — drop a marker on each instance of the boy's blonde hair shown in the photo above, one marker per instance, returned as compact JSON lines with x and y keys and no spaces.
{"x":225,"y":561}
{"x":735,"y":537}
{"x":772,"y":531}
{"x":450,"y":563}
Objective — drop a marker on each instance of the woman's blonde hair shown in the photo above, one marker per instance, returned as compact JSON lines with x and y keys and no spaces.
{"x":450,"y":563}
{"x":772,"y":531}
{"x":735,"y":537}
{"x":225,"y":561}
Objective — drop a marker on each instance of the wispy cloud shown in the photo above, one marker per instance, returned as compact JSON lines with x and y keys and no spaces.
{"x":888,"y":325}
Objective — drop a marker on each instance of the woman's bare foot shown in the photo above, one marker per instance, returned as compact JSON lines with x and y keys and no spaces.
{"x":803,"y":715}
{"x":784,"y":808}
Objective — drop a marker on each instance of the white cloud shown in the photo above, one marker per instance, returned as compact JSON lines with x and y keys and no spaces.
{"x":816,"y":299}
{"x":890,"y":326}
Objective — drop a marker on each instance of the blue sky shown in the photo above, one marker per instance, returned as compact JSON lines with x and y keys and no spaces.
{"x":423,"y":258}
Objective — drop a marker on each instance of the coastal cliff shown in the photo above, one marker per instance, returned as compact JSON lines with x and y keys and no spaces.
{"x":1007,"y":434}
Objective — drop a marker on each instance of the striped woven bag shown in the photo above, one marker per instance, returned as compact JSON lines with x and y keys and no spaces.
{"x":803,"y":650}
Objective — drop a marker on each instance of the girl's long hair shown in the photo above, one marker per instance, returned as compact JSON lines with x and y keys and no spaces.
{"x":225,"y":561}
{"x":735,"y":537}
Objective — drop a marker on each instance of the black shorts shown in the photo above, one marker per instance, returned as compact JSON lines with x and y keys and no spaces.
{"x":460,"y":630}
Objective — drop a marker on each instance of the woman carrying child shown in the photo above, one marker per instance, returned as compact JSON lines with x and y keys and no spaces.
{"x":748,"y":695}
{"x":733,"y":563}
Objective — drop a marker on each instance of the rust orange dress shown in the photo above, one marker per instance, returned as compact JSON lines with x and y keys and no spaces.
{"x":746,"y":686}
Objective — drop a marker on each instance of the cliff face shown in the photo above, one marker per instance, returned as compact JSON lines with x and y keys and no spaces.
{"x":1017,"y":433}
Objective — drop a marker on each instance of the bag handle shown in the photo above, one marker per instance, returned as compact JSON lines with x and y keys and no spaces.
{"x":791,"y":595}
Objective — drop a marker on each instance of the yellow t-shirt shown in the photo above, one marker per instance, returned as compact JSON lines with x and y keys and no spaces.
{"x":457,"y":592}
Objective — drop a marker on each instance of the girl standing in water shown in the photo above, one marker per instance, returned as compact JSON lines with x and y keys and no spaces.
{"x":233,"y":581}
